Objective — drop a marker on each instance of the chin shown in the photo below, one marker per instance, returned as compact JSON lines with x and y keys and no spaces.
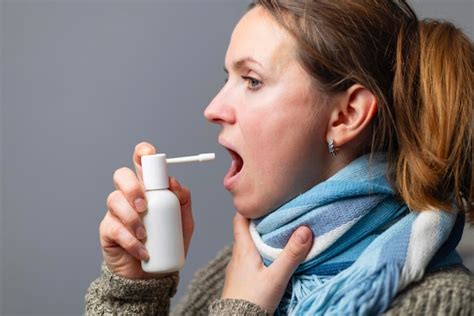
{"x":249,"y":210}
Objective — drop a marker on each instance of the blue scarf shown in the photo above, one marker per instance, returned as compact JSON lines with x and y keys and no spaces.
{"x":368,"y":245}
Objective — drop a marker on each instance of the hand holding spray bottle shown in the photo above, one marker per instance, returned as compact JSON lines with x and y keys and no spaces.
{"x":162,"y":219}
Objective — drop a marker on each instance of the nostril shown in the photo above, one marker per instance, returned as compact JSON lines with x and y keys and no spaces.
{"x":219,"y":115}
{"x":214,"y":119}
{"x":217,"y":121}
{"x":220,"y":110}
{"x":211,"y":116}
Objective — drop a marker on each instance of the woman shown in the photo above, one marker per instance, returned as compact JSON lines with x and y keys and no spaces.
{"x":349,"y":121}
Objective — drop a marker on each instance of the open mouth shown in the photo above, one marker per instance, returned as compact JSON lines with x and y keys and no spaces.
{"x":234,"y":169}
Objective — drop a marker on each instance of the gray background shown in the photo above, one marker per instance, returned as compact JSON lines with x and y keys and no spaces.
{"x":81,"y":83}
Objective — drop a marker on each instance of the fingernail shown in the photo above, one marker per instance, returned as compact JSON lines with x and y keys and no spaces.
{"x":141,"y":233}
{"x":140,"y":204}
{"x":143,"y":253}
{"x":302,"y":236}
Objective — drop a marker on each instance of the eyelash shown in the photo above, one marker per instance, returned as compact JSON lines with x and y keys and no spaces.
{"x":249,"y":79}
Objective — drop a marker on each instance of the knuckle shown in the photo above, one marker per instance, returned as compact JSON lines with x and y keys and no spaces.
{"x":103,"y":224}
{"x":131,"y":221}
{"x":186,"y":195}
{"x":186,"y":191}
{"x":118,"y":174}
{"x":292,"y":253}
{"x":116,"y":230}
{"x":131,"y":244}
{"x":112,"y":197}
{"x":132,"y":191}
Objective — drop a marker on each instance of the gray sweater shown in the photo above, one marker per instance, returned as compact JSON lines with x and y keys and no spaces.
{"x":444,"y":292}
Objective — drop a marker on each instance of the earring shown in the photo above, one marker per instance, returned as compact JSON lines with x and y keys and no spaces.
{"x":332,"y":150}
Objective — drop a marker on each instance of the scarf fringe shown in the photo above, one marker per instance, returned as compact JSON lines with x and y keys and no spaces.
{"x":300,"y":287}
{"x":372,"y":295}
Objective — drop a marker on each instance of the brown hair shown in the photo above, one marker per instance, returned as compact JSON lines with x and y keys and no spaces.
{"x":421,"y":73}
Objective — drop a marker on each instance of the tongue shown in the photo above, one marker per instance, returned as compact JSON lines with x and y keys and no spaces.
{"x":236,"y":164}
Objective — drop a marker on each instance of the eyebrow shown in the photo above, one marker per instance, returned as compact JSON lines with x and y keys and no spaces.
{"x":241,"y":62}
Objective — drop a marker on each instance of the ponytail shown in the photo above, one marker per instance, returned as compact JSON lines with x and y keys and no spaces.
{"x":433,"y":100}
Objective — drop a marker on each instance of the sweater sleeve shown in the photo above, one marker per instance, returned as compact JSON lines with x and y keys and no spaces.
{"x":231,"y":306}
{"x":112,"y":294}
{"x":446,"y":292}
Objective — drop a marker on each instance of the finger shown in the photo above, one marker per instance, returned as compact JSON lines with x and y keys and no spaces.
{"x":118,"y":205}
{"x":242,"y":240}
{"x":184,"y":197}
{"x":126,"y":181}
{"x":292,"y":255}
{"x":114,"y":232}
{"x":141,"y":149}
{"x":183,"y":194}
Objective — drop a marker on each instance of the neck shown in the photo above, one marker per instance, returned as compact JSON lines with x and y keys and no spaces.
{"x":336,"y":163}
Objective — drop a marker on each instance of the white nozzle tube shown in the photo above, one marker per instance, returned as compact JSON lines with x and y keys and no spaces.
{"x":197,"y":158}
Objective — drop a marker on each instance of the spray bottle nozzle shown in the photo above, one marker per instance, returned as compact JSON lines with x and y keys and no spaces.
{"x":155,"y":171}
{"x":197,"y":158}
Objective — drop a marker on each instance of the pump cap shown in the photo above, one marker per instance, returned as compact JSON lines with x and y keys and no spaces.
{"x":155,"y":172}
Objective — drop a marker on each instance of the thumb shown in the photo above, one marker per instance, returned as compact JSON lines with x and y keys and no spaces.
{"x":293,"y":254}
{"x":141,"y":149}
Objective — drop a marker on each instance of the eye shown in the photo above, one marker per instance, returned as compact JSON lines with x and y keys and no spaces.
{"x":254,"y":84}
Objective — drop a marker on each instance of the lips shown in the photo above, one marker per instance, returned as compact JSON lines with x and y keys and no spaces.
{"x":235,"y":168}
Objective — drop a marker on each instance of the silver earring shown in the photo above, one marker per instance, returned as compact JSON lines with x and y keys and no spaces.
{"x":332,"y":149}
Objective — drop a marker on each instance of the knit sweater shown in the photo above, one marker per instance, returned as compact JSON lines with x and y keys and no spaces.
{"x":447,"y":291}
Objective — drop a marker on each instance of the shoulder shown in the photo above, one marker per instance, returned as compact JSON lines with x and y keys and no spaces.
{"x":447,"y":291}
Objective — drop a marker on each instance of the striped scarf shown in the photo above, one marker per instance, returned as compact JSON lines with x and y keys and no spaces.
{"x":368,"y":246}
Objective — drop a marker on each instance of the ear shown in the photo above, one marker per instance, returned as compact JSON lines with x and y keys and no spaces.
{"x":351,"y":115}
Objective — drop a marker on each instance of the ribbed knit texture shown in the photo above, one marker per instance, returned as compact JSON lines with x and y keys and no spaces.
{"x":445,"y":292}
{"x":211,"y":278}
{"x":448,"y":291}
{"x":112,"y":294}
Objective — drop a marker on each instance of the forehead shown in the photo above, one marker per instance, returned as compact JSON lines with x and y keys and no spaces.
{"x":259,"y":36}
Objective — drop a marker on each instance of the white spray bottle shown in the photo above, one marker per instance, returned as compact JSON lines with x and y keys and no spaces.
{"x":162,"y":219}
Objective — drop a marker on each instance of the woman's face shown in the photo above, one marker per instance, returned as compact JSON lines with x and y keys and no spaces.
{"x":269,"y":118}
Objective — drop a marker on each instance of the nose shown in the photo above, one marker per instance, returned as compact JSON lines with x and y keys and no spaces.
{"x":219,"y":111}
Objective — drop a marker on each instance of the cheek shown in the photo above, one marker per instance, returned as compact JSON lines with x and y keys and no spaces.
{"x":278,"y":136}
{"x":264,"y":135}
{"x":281,"y":150}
